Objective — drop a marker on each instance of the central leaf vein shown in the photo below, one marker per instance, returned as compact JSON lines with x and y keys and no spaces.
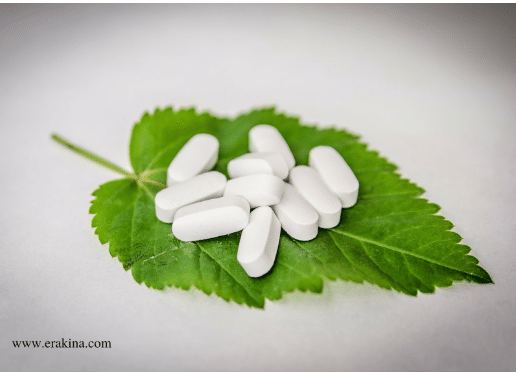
{"x":406,"y":252}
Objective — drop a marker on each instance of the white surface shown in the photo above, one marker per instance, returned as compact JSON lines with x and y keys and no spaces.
{"x":199,"y":188}
{"x":258,"y":189}
{"x":266,"y":138}
{"x":199,"y":154}
{"x":431,"y":87}
{"x":211,"y":218}
{"x":258,"y":163}
{"x":335,"y":173}
{"x":298,"y":218}
{"x":311,"y":186}
{"x":259,"y":242}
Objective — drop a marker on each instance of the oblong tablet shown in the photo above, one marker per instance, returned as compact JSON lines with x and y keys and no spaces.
{"x":258,"y":163}
{"x":211,"y":218}
{"x":335,"y":173}
{"x":259,"y":242}
{"x":297,"y":217}
{"x":198,"y":188}
{"x":310,"y":185}
{"x":266,"y":138}
{"x":258,"y":190}
{"x":198,"y":155}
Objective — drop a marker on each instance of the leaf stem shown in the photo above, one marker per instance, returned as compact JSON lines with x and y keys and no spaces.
{"x":93,"y":157}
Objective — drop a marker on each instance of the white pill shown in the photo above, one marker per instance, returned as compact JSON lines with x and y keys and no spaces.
{"x":198,"y":155}
{"x":211,"y":218}
{"x":258,"y":190}
{"x":309,"y":184}
{"x":265,"y":138}
{"x":198,"y":188}
{"x":297,"y":217}
{"x":259,"y":242}
{"x":258,"y":163}
{"x":336,"y":173}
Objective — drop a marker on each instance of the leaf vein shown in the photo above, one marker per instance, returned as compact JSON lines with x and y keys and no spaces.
{"x":431,"y":243}
{"x":113,"y":196}
{"x":371,"y":196}
{"x":355,"y":267}
{"x":228,"y":272}
{"x":159,"y":154}
{"x":393,"y":248}
{"x":411,"y":228}
{"x":393,"y":214}
{"x":293,"y":269}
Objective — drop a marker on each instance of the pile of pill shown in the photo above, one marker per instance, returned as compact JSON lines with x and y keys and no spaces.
{"x":203,"y":204}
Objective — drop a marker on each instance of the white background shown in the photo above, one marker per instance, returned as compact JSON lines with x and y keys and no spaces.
{"x":432,"y":87}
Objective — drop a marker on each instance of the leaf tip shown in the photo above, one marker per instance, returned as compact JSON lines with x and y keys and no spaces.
{"x":484,"y":277}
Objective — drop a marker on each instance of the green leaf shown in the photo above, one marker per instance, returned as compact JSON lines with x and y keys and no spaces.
{"x":391,"y":237}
